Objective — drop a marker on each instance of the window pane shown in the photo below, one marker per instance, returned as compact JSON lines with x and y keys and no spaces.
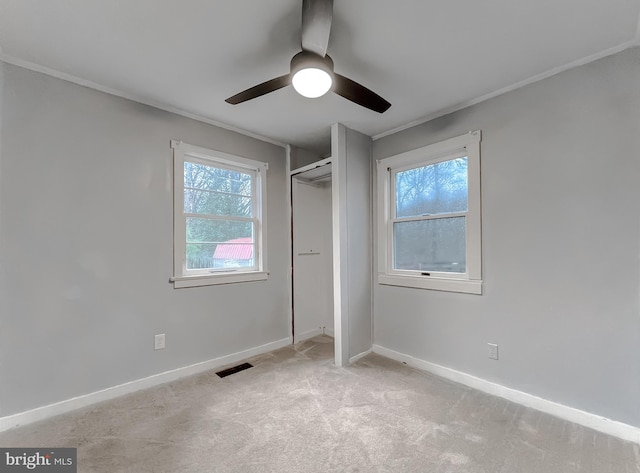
{"x":430,"y":245}
{"x":217,"y":203}
{"x":219,"y":244}
{"x":433,"y":189}
{"x":201,"y":176}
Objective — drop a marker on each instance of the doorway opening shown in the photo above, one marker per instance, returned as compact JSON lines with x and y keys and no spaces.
{"x":312,"y":252}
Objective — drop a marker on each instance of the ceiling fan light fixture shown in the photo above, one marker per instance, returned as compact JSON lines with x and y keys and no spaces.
{"x":311,"y":75}
{"x":311,"y":72}
{"x":311,"y":82}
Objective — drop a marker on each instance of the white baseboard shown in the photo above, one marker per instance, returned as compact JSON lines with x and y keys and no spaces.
{"x":44,"y":412}
{"x":587,"y":419}
{"x":355,"y":358}
{"x":314,"y":333}
{"x":301,"y":337}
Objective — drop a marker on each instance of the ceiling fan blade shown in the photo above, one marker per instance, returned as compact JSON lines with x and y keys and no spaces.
{"x":260,"y":89}
{"x":359,"y":94}
{"x":316,"y":25}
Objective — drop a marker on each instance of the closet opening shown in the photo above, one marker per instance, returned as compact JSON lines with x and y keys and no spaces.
{"x":312,"y":251}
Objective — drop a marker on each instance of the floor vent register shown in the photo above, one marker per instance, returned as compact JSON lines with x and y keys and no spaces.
{"x":234,"y":370}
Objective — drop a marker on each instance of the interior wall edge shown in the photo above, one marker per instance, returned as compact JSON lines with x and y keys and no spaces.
{"x":587,"y":419}
{"x":2,"y":266}
{"x":45,"y":412}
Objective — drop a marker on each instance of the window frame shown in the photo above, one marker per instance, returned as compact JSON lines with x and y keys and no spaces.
{"x":471,"y":280}
{"x":183,"y":277}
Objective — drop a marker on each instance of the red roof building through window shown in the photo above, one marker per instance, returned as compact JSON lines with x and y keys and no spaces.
{"x":237,"y":249}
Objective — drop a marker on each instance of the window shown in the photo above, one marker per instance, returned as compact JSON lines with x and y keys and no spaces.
{"x":219,"y":217}
{"x":429,"y":217}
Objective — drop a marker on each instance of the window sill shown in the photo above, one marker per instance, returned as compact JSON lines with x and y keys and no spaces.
{"x":214,"y":279}
{"x":439,"y":284}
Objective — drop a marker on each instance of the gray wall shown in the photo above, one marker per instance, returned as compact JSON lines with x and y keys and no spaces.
{"x":351,"y":200}
{"x":359,"y":240}
{"x":561,"y":244}
{"x":86,"y":246}
{"x":301,"y":157}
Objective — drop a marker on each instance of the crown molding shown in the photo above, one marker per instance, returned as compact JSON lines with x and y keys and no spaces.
{"x":133,"y":97}
{"x":538,"y":77}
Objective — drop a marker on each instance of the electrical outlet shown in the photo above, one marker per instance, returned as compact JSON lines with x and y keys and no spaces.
{"x":159,"y":342}
{"x":493,"y":351}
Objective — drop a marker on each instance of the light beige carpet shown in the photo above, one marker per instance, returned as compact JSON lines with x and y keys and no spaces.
{"x":294,"y":411}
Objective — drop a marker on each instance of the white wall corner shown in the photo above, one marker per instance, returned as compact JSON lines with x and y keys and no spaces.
{"x":339,"y":243}
{"x":45,"y":412}
{"x":577,"y":416}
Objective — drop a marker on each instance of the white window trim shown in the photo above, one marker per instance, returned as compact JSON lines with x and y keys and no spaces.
{"x":469,"y":282}
{"x":185,"y":152}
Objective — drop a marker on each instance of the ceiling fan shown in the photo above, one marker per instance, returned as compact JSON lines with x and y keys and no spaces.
{"x":311,"y":71}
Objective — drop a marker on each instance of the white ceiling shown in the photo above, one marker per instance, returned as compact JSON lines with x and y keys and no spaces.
{"x":425,"y":57}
